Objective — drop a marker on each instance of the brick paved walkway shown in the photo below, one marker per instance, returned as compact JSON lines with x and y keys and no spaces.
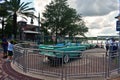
{"x":7,"y":73}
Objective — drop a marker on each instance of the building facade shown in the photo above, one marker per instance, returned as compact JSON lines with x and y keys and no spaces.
{"x":28,"y":31}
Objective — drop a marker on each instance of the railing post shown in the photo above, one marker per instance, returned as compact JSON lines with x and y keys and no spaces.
{"x":109,"y":61}
{"x":24,"y":61}
{"x":106,"y":66}
{"x":65,"y":69}
{"x":62,"y":67}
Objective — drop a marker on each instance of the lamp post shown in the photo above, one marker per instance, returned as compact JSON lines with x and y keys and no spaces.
{"x":21,"y":24}
{"x":38,"y":36}
{"x":118,"y":29}
{"x":118,"y":23}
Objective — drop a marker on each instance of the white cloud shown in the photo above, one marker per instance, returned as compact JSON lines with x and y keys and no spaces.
{"x":94,"y":7}
{"x":40,"y":5}
{"x":98,"y":14}
{"x":101,"y":25}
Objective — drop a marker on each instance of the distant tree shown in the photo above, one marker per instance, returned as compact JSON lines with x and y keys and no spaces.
{"x":15,"y":7}
{"x":63,"y":20}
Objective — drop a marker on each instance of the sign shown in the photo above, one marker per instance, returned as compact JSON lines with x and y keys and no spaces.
{"x":118,"y":26}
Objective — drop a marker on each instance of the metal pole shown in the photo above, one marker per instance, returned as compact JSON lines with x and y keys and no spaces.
{"x":62,"y":75}
{"x":110,"y":59}
{"x":38,"y":40}
{"x":119,"y":45}
{"x":119,"y":6}
{"x":119,"y":54}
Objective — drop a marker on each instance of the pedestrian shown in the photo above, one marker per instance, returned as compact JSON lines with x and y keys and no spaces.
{"x":115,"y":45}
{"x":4,"y":46}
{"x":113,"y":48}
{"x":10,"y":51}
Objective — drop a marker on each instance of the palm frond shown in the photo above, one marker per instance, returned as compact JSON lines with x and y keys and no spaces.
{"x":22,"y":5}
{"x":29,"y":9}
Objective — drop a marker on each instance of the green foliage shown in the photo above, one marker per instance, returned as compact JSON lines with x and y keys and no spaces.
{"x":63,"y":20}
{"x":8,"y":28}
{"x":3,"y":10}
{"x":15,"y":7}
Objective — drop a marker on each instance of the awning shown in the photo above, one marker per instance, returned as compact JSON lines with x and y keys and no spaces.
{"x":31,"y":32}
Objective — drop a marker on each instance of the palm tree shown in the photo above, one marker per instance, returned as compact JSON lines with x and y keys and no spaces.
{"x":3,"y":14}
{"x":15,"y":7}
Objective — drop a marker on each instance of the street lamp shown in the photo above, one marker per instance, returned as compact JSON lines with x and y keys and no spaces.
{"x":21,"y":24}
{"x":39,"y":38}
{"x":118,"y":29}
{"x":118,"y":23}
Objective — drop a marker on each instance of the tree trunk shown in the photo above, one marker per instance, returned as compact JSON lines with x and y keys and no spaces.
{"x":15,"y":25}
{"x":2,"y":26}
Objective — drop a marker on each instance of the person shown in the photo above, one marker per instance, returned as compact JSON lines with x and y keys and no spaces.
{"x":107,"y":45}
{"x":10,"y":50}
{"x":4,"y":46}
{"x":115,"y":45}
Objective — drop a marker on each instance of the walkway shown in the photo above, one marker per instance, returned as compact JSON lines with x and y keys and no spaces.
{"x":7,"y":73}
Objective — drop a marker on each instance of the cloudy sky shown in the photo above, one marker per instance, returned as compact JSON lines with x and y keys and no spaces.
{"x":97,"y":14}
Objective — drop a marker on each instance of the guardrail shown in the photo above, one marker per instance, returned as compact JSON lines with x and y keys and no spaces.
{"x":66,"y":67}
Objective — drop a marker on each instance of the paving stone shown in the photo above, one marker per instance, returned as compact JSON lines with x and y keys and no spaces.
{"x":7,"y":73}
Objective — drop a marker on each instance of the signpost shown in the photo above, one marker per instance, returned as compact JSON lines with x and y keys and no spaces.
{"x":118,"y":29}
{"x":118,"y":25}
